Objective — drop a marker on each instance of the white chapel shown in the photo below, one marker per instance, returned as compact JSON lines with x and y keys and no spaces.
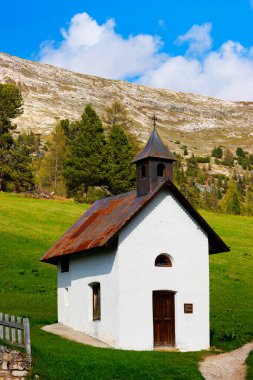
{"x":133,"y":271}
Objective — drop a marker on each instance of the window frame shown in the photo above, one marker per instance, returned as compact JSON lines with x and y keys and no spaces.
{"x":96,"y":301}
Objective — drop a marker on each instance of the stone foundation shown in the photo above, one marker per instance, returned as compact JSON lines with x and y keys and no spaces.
{"x":14,"y":365}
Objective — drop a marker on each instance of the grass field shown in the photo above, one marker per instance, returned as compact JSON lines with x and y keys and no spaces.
{"x":27,"y":287}
{"x":249,"y":362}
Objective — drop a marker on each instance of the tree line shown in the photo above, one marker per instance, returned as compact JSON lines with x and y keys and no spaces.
{"x":212,"y":191}
{"x":89,"y":159}
{"x":81,"y":162}
{"x":78,"y":160}
{"x":16,"y":172}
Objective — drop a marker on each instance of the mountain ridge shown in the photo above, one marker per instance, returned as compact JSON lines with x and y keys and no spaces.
{"x":199,"y":122}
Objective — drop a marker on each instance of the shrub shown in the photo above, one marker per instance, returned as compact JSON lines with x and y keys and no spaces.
{"x":203,"y":160}
{"x":225,"y":336}
{"x":240,"y":152}
{"x":217,"y":152}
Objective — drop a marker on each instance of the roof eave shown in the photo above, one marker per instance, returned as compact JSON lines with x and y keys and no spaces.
{"x":136,"y":159}
{"x":221,"y":247}
{"x":216,"y":244}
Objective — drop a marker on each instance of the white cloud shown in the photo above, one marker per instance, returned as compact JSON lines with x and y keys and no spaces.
{"x":198,"y":37}
{"x":95,"y":49}
{"x":226,"y":73}
{"x":98,"y":50}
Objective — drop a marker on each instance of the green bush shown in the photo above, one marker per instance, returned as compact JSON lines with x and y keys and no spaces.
{"x":218,"y":337}
{"x":203,"y":160}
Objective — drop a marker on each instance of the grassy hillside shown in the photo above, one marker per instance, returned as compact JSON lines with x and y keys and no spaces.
{"x":27,"y":287}
{"x":231,"y":281}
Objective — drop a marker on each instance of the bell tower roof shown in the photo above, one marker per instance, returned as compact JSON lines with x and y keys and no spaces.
{"x":155,"y":148}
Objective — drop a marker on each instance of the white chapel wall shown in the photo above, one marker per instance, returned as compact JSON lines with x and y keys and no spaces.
{"x":163,"y":226}
{"x":78,"y":312}
{"x":128,"y":277}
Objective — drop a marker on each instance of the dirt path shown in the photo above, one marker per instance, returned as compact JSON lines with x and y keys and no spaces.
{"x":228,"y":366}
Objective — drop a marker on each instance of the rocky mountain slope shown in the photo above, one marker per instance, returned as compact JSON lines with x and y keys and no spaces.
{"x":200,"y":122}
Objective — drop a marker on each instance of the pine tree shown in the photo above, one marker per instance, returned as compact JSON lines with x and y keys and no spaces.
{"x":231,"y":203}
{"x":210,"y":200}
{"x":85,"y":162}
{"x":116,"y":114}
{"x":217,"y":152}
{"x":192,"y":167}
{"x":10,"y":107}
{"x":241,"y":186}
{"x":228,"y":158}
{"x":248,"y":210}
{"x":240,"y":152}
{"x":31,"y":140}
{"x":121,"y":174}
{"x":15,"y":162}
{"x":50,"y":174}
{"x":22,"y":176}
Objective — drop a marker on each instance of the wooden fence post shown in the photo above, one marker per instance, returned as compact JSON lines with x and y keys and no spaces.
{"x":27,"y":336}
{"x":19,"y":331}
{"x":7,"y":329}
{"x":13,"y":330}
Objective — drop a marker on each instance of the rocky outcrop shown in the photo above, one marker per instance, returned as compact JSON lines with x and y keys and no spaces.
{"x":200,"y":122}
{"x":13,"y":364}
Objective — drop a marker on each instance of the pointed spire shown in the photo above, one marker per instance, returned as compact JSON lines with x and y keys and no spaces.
{"x":154,"y":120}
{"x":155,"y":148}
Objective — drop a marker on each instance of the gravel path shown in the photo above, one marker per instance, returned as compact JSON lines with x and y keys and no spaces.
{"x":228,"y":366}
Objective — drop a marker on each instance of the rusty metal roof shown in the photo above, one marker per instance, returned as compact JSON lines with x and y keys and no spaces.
{"x":106,"y":217}
{"x":155,"y":148}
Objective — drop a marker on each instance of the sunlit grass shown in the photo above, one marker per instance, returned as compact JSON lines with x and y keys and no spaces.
{"x":28,"y":287}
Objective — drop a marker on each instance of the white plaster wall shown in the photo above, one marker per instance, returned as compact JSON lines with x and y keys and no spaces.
{"x":78,"y":313}
{"x":128,"y":278}
{"x":163,"y":226}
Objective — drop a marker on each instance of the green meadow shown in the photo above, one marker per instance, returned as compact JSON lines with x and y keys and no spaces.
{"x":28,"y":288}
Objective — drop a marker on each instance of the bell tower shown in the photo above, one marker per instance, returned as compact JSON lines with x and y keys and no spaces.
{"x":153,"y":164}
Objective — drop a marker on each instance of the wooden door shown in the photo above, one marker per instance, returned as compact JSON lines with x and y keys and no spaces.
{"x":164,"y":318}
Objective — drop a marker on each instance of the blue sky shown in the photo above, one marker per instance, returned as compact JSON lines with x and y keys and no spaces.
{"x":189,"y":45}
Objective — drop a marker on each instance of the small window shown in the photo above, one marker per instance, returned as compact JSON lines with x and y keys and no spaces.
{"x":160,"y":170}
{"x":163,"y":261}
{"x":96,"y":301}
{"x":64,"y":264}
{"x":143,"y":172}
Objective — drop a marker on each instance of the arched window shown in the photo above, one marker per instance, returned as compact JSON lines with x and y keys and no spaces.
{"x":163,"y":260}
{"x":143,"y":172}
{"x":160,"y":170}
